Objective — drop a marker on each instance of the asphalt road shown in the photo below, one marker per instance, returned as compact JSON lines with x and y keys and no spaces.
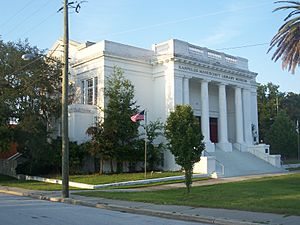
{"x":15,"y":210}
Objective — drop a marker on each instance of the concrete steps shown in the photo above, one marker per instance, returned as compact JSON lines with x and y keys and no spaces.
{"x":238,"y":163}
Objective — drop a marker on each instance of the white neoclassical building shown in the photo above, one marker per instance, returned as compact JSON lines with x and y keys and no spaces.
{"x":220,"y":88}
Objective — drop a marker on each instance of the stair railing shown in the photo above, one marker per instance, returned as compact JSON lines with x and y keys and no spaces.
{"x":221,"y":164}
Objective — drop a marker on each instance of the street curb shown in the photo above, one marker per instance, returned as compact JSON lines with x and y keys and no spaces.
{"x":155,"y":213}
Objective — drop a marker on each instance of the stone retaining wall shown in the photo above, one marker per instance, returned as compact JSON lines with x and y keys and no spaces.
{"x":8,"y":167}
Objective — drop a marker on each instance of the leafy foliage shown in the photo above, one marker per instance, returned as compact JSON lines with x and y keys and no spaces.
{"x":116,"y":136}
{"x":277,"y":114}
{"x":185,"y":139}
{"x":269,"y":101}
{"x":99,"y":146}
{"x":287,"y":40}
{"x":155,"y":146}
{"x":49,"y":160}
{"x":29,"y":100}
{"x":282,"y":137}
{"x":291,"y":103}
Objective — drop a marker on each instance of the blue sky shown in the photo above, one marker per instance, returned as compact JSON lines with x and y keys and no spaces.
{"x":216,"y":24}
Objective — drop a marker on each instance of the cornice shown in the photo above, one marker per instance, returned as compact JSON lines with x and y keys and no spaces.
{"x":108,"y":55}
{"x":214,"y":66}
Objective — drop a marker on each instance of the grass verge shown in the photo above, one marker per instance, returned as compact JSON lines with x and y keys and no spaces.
{"x":155,"y":184}
{"x":90,"y":179}
{"x":293,"y":169}
{"x":113,"y":178}
{"x":291,"y":161}
{"x":278,"y":194}
{"x":31,"y":185}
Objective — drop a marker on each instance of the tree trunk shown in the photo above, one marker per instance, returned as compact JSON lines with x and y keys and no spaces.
{"x":111,"y":166}
{"x":100,"y":165}
{"x":119,"y":167}
{"x":188,"y":178}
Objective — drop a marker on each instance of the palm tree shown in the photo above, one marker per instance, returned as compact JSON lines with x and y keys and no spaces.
{"x":287,"y":39}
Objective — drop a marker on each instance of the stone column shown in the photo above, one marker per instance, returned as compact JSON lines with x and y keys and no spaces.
{"x":186,"y":91}
{"x":223,"y":130}
{"x":247,"y":116}
{"x":205,"y":116}
{"x":239,"y":131}
{"x":254,"y":112}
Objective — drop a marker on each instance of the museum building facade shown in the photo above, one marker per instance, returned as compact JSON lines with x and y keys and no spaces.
{"x":220,"y":88}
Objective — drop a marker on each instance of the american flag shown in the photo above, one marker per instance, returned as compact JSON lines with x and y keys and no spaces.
{"x":138,"y":116}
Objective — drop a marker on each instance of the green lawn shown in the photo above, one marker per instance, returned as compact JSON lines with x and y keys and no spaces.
{"x":156,"y":183}
{"x":87,"y":179}
{"x":273,"y":194}
{"x":291,"y":161}
{"x":112,"y":178}
{"x":293,"y":169}
{"x":31,"y":185}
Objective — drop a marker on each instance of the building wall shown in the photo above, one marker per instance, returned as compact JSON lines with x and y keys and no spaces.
{"x":169,"y":74}
{"x":81,"y":117}
{"x":140,"y":74}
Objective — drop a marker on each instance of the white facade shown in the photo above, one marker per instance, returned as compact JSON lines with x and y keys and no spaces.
{"x":219,"y":87}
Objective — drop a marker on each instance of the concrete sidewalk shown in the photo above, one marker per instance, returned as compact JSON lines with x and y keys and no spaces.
{"x":186,"y":213}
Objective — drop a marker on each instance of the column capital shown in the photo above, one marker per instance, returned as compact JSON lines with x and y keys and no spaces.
{"x":242,"y":87}
{"x":247,"y":89}
{"x":187,"y":76}
{"x":222,"y":83}
{"x":204,"y":80}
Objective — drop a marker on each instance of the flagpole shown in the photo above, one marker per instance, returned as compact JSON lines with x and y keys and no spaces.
{"x":298,"y":133}
{"x":145,"y":163}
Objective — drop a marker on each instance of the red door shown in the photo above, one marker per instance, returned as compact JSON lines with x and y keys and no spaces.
{"x":213,"y":125}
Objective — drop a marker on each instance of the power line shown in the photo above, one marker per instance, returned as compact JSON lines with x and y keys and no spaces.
{"x":186,"y":19}
{"x":75,"y":7}
{"x":243,"y":46}
{"x":17,"y":13}
{"x":37,"y":25}
{"x":28,"y":17}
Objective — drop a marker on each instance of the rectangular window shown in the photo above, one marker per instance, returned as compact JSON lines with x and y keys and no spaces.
{"x":82,"y":92}
{"x":95,"y":90}
{"x":90,"y":92}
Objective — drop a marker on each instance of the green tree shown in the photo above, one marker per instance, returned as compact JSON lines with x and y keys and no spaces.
{"x":185,"y":139}
{"x":282,"y":137}
{"x":269,"y":102}
{"x":116,"y":137}
{"x":29,"y":99}
{"x":291,"y":103}
{"x":155,"y":145}
{"x":100,"y":145}
{"x":286,"y":40}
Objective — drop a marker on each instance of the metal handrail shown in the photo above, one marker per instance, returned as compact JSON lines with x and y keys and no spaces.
{"x":221,"y":164}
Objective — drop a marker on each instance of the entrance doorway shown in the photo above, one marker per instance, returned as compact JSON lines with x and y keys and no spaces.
{"x":213,"y":127}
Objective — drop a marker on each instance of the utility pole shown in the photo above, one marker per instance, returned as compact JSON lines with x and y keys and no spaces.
{"x":64,"y":99}
{"x":64,"y":103}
